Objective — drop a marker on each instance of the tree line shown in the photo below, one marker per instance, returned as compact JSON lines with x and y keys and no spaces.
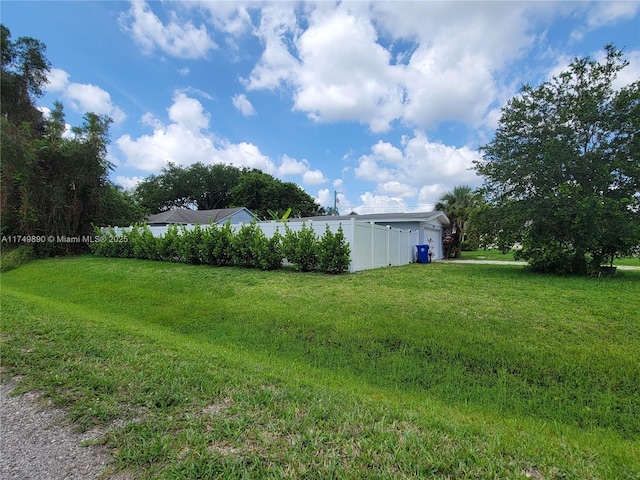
{"x":207,"y":187}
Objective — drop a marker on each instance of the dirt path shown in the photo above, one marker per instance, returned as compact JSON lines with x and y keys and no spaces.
{"x":37,"y":444}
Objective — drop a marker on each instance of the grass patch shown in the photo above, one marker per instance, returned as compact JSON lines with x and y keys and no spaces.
{"x":11,"y":258}
{"x":488,"y":254}
{"x":438,"y":371}
{"x":627,"y":261}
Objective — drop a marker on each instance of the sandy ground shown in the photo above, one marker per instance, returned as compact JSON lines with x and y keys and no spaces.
{"x":36,"y":443}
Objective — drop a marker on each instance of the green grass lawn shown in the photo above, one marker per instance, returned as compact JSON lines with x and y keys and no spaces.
{"x":424,"y":371}
{"x":489,"y":254}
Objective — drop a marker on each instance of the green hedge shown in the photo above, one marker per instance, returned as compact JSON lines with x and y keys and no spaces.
{"x":221,"y":246}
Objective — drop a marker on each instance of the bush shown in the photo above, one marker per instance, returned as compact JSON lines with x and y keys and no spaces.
{"x":552,"y":258}
{"x":129,"y":247}
{"x":470,"y":245}
{"x":334,"y":252}
{"x":217,"y":245}
{"x":14,"y":257}
{"x":244,"y":246}
{"x":220,"y":246}
{"x":99,"y":246}
{"x":145,"y":245}
{"x":269,"y":251}
{"x":112,"y":244}
{"x":301,"y":248}
{"x":169,"y":245}
{"x":192,"y":245}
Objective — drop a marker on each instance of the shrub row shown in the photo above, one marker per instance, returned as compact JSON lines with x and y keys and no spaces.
{"x":221,"y":246}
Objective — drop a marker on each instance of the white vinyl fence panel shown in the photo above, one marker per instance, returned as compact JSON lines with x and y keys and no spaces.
{"x":371,"y":245}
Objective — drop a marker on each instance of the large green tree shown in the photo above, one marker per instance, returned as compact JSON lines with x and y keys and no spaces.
{"x":53,"y":185}
{"x":200,"y":186}
{"x":563,"y":171}
{"x":459,"y":205}
{"x":207,"y":187}
{"x":261,"y":192}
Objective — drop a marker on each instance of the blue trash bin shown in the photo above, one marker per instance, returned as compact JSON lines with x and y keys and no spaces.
{"x":423,"y":253}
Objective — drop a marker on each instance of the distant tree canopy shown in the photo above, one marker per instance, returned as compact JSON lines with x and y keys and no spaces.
{"x":52,"y":184}
{"x":562,"y":174}
{"x":223,"y":186}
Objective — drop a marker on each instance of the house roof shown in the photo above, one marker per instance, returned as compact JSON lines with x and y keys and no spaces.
{"x":186,"y":216}
{"x":387,"y":217}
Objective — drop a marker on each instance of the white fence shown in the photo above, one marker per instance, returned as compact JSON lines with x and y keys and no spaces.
{"x":371,"y":245}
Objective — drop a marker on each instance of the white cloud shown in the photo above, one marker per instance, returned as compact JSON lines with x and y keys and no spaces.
{"x":57,"y":80}
{"x":347,"y":75}
{"x":290,"y":166}
{"x":243,"y":105}
{"x":229,"y":17}
{"x":417,"y":63}
{"x":429,"y":195}
{"x":603,"y":14}
{"x":184,"y":71}
{"x":324,"y":198}
{"x":313,"y":177}
{"x":243,"y":154}
{"x":177,"y":144}
{"x":84,"y":97}
{"x":188,"y":112}
{"x":380,"y":204}
{"x":388,"y":152}
{"x":276,"y":64}
{"x":171,"y":143}
{"x":128,"y":182}
{"x":421,"y":171}
{"x":397,"y":189}
{"x":420,"y":161}
{"x":431,"y":162}
{"x":610,"y":13}
{"x":177,"y":39}
{"x":194,"y":91}
{"x":561,"y":65}
{"x":340,"y":62}
{"x":186,"y":141}
{"x":150,"y":121}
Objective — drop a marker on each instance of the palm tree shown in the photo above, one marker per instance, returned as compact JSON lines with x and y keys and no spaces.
{"x":458,"y":205}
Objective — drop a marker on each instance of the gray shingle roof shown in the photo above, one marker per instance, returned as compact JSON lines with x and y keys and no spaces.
{"x":185,"y":216}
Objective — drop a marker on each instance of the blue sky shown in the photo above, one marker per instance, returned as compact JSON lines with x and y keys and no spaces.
{"x":384,"y":103}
